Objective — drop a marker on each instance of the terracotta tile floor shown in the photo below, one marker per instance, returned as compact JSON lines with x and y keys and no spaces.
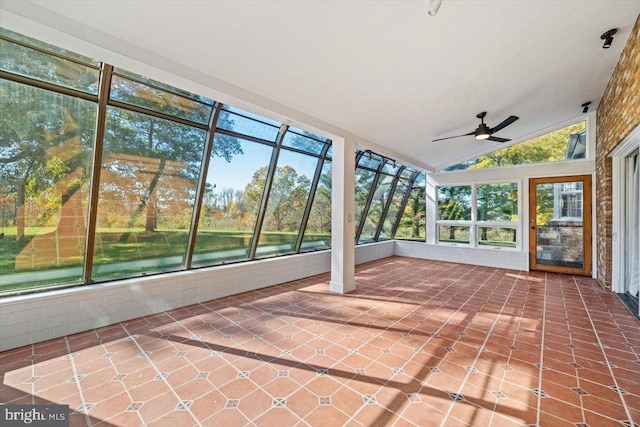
{"x":419,"y":343}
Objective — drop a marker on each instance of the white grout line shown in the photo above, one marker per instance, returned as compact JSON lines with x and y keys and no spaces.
{"x":77,"y":381}
{"x":613,"y":376}
{"x":484,"y":343}
{"x":115,"y":368}
{"x":158,"y":372}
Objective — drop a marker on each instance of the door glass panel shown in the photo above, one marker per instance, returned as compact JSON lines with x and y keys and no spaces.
{"x":560,"y":233}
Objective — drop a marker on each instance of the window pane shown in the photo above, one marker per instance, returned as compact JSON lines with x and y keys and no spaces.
{"x":46,"y":144}
{"x":412,"y":225}
{"x":149,"y":175}
{"x":318,"y":232}
{"x":45,"y":67}
{"x":247,"y":124}
{"x":497,"y":202}
{"x":231,"y":201}
{"x":364,"y":181}
{"x":390,"y":167}
{"x":406,"y":173}
{"x":371,"y":163}
{"x":152,"y":98}
{"x":497,"y":236}
{"x":394,"y":209}
{"x":303,"y":140}
{"x":287,"y":201}
{"x":380,"y":197}
{"x":568,"y":143}
{"x":454,"y":202}
{"x":453,"y":234}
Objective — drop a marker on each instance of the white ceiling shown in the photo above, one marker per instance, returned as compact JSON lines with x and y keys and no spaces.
{"x":385,"y":71}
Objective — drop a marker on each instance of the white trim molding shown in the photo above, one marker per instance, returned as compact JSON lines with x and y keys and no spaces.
{"x":619,"y":187}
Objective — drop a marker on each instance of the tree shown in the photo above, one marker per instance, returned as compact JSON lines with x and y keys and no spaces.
{"x":154,"y":138}
{"x":287,"y":198}
{"x":550,"y":147}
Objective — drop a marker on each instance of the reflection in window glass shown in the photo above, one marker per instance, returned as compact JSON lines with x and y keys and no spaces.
{"x":378,"y":202}
{"x":568,"y":143}
{"x":453,"y":234}
{"x":497,"y":236}
{"x":150,"y":169}
{"x":249,"y":126}
{"x":46,"y":143}
{"x":497,"y":202}
{"x":142,"y":95}
{"x":317,"y":235}
{"x":49,"y":68}
{"x":231,"y":201}
{"x":303,"y":140}
{"x":287,"y":201}
{"x":364,"y":181}
{"x":413,"y":223}
{"x":454,"y":202}
{"x":394,"y":209}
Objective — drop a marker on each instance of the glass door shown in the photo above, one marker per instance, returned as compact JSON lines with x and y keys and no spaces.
{"x":560,"y":224}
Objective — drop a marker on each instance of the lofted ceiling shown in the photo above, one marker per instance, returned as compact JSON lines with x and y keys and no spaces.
{"x":384,"y":71}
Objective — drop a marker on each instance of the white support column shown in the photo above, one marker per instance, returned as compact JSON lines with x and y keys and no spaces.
{"x":342,"y":217}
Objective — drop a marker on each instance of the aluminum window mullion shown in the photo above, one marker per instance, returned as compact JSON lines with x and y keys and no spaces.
{"x":167,"y":90}
{"x":403,"y":206}
{"x":310,"y":199}
{"x":405,"y":200}
{"x":157,"y":114}
{"x":50,"y":53}
{"x":245,"y":137}
{"x":367,"y":205}
{"x":6,"y":75}
{"x":202,"y":183}
{"x":92,"y":220}
{"x":306,"y":153}
{"x":385,"y":210}
{"x":267,"y":189}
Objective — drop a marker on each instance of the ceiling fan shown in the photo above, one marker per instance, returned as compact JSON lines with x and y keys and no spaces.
{"x":485,"y":132}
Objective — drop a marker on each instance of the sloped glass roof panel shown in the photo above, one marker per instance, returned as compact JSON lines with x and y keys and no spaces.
{"x":31,"y":58}
{"x":303,"y":140}
{"x":146,"y":93}
{"x":249,"y":124}
{"x":370,"y":161}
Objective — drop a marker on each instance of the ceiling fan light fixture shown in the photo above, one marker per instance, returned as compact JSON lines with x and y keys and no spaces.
{"x":483,"y":132}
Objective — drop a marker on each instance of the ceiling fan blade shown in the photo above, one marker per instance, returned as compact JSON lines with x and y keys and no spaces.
{"x":506,"y":122}
{"x":451,"y":137}
{"x":496,"y":139}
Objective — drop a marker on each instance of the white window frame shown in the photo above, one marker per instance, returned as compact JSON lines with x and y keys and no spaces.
{"x":474,"y":224}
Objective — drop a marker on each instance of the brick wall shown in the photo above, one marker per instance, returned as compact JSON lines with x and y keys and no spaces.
{"x":618,"y":114}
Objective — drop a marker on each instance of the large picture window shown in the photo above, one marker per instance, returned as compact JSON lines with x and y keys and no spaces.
{"x":106,"y":174}
{"x":478,"y":215}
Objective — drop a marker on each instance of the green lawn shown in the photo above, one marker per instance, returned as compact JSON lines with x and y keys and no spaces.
{"x":122,"y":245}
